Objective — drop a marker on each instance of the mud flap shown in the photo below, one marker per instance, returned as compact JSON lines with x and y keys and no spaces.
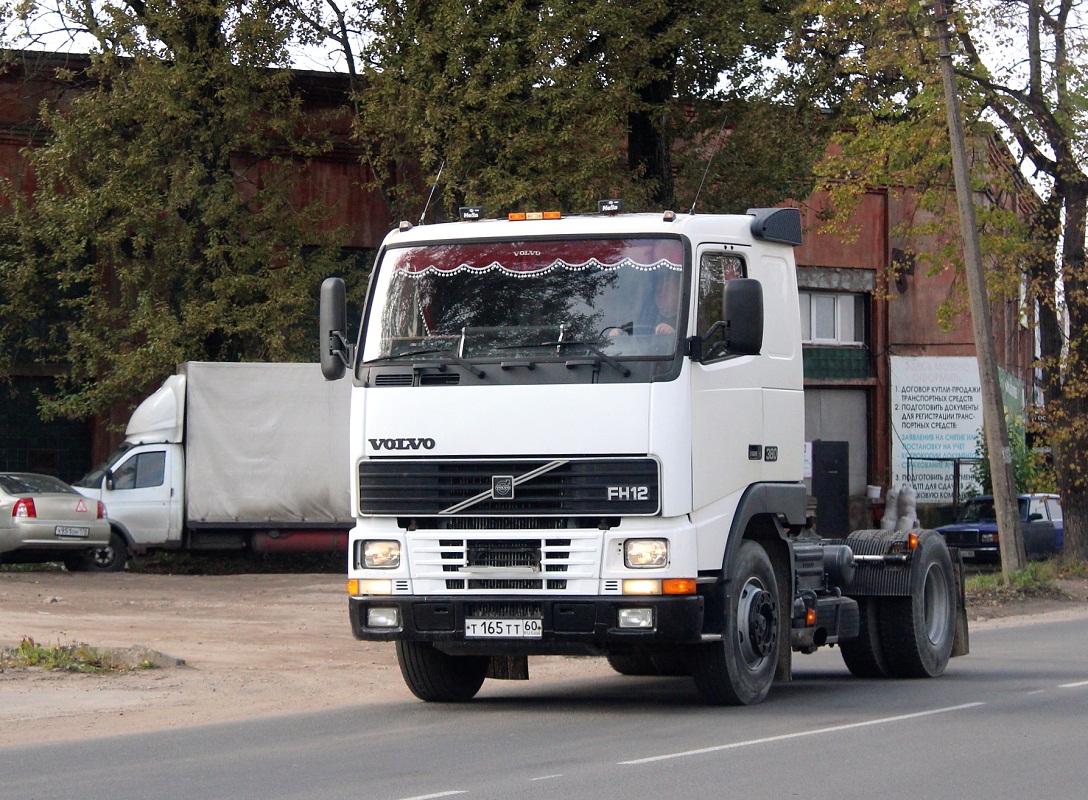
{"x":961,"y":644}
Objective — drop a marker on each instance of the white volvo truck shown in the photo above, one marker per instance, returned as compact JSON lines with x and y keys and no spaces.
{"x":584,"y":435}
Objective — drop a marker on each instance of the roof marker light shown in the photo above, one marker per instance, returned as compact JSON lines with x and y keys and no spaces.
{"x":405,"y":225}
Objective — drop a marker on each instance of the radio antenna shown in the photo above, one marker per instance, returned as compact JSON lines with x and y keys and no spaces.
{"x":434,"y":186}
{"x":709,"y":162}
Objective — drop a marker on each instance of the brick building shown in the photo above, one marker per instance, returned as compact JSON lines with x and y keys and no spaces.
{"x":866,"y":313}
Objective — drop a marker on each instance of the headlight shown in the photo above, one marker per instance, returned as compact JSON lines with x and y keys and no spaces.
{"x":646,"y":553}
{"x":381,"y":555}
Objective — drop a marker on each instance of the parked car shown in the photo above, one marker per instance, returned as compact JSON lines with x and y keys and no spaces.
{"x":44,"y":519}
{"x":975,"y":532}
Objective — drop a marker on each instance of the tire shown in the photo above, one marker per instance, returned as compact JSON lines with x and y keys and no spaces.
{"x":437,"y":677}
{"x":740,"y":669}
{"x":864,"y":656}
{"x":917,"y":632}
{"x":110,"y":558}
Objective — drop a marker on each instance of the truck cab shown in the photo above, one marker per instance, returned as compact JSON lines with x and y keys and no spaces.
{"x":584,"y":434}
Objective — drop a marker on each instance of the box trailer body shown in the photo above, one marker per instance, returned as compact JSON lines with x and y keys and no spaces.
{"x":585,"y":435}
{"x":230,"y":456}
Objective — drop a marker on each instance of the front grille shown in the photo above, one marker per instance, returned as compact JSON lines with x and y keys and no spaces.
{"x":560,"y":487}
{"x":961,"y":538}
{"x":504,"y":564}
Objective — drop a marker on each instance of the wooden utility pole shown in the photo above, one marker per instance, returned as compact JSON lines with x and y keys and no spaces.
{"x":1011,"y":538}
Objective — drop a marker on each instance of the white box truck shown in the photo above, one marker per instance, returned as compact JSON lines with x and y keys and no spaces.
{"x":584,"y":435}
{"x":227,"y":456}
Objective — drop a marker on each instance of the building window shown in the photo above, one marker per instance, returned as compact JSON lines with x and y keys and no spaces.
{"x":832,"y":318}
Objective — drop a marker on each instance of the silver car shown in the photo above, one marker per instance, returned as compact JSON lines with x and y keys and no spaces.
{"x":44,"y":519}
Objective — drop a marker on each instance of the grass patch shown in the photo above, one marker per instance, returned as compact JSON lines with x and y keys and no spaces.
{"x":1039,"y":579}
{"x":75,"y":657}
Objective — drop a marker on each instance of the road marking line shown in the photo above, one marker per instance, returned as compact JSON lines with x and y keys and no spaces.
{"x":1073,"y":685}
{"x":436,"y":794}
{"x":786,"y":736}
{"x":544,"y":778}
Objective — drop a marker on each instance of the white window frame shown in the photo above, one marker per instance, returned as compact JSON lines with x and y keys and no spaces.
{"x":845,"y":307}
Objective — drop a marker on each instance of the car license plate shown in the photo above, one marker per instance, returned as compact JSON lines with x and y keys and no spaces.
{"x":503,"y":628}
{"x":967,"y":553}
{"x":69,"y":532}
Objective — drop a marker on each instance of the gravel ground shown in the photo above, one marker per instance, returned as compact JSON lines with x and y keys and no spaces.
{"x":234,"y":647}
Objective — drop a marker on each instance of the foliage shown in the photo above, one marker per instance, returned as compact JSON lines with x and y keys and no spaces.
{"x":538,"y":104}
{"x":74,"y":657}
{"x":162,"y":227}
{"x":876,"y":65}
{"x":1031,"y":471}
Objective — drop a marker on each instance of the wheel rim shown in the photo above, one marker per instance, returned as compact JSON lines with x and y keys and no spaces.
{"x":937,"y":603}
{"x":103,"y":556}
{"x":757,"y":623}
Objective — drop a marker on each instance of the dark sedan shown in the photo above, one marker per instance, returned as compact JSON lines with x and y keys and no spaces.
{"x":975,"y":532}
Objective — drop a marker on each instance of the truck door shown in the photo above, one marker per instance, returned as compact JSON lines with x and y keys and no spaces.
{"x":138,"y":494}
{"x":727,"y":447}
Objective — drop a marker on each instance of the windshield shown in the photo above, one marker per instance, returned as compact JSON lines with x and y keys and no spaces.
{"x":983,"y":510}
{"x":494,"y":299}
{"x":93,"y":479}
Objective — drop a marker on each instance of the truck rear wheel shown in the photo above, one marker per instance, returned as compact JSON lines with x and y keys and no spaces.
{"x":917,"y":632}
{"x":739,"y":670}
{"x":438,"y":677}
{"x":864,"y":656}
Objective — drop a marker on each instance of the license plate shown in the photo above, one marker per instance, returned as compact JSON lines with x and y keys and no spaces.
{"x":503,"y":628}
{"x":967,"y":553}
{"x":69,"y":532}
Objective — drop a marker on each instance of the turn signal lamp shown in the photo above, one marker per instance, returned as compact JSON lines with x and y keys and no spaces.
{"x":810,"y":617}
{"x":912,"y":541}
{"x":355,"y":587}
{"x":678,"y":586}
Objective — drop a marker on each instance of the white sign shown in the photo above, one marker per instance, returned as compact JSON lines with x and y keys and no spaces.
{"x":936,"y":413}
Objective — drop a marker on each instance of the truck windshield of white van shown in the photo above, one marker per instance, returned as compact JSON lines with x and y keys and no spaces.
{"x":500,"y":299}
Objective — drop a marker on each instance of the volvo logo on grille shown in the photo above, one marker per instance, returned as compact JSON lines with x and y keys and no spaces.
{"x":502,"y":487}
{"x":402,"y":444}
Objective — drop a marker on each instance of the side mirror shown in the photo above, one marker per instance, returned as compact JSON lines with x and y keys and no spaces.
{"x":332,"y":333}
{"x":741,"y":327}
{"x":1034,"y":517}
{"x":108,"y":480}
{"x":742,"y":310}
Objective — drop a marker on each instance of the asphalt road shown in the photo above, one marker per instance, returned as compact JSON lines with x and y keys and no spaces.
{"x":1006,"y":721}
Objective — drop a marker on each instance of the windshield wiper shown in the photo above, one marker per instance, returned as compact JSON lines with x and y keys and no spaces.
{"x":446,"y":352}
{"x":601,"y":354}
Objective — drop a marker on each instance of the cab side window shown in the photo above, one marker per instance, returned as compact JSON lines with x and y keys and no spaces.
{"x":716,"y":269}
{"x":141,"y":471}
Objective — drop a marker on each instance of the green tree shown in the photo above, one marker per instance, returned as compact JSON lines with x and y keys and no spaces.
{"x":1021,"y":69}
{"x":534,"y":103}
{"x":162,"y":226}
{"x":1030,"y":471}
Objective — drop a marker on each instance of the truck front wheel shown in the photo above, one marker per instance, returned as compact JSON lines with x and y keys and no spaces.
{"x":437,"y":677}
{"x":917,"y":632}
{"x":739,"y":669}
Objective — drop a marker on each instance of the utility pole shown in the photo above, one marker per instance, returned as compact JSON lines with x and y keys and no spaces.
{"x":1010,"y":536}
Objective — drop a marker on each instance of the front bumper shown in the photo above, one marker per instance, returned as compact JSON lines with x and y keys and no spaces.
{"x":571,"y":625}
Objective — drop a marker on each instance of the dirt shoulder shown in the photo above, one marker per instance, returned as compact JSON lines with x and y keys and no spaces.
{"x":237,"y":647}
